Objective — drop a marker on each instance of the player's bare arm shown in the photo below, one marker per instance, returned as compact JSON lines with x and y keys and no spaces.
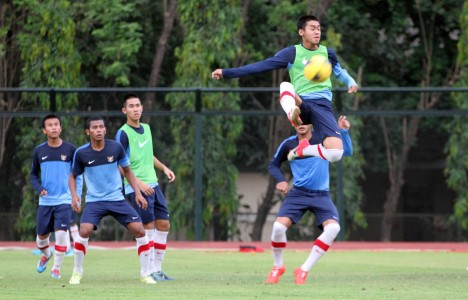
{"x":76,"y":200}
{"x":141,"y":201}
{"x":160,"y":166}
{"x":217,"y":74}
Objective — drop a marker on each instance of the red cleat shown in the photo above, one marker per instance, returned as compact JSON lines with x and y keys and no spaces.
{"x":275,"y":275}
{"x":294,"y":118}
{"x":297,"y":152}
{"x":300,"y":276}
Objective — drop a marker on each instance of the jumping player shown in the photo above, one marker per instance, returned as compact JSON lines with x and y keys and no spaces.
{"x":305,"y":101}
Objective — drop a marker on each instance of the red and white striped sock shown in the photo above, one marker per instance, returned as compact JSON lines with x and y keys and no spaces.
{"x":321,"y":245}
{"x":160,"y":240}
{"x":318,"y":150}
{"x":287,"y":97}
{"x":81,"y":244}
{"x":43,"y":245}
{"x":144,"y":254}
{"x":278,"y":243}
{"x":61,"y":237}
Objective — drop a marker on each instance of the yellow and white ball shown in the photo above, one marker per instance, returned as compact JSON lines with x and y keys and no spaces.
{"x":317,"y":69}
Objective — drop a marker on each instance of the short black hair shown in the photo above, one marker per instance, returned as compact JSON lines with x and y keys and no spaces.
{"x":129,"y":96}
{"x":50,"y":116}
{"x":95,"y":118}
{"x":302,"y":22}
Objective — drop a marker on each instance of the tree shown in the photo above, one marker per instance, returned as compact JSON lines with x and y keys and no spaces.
{"x":207,"y":28}
{"x":456,"y":147}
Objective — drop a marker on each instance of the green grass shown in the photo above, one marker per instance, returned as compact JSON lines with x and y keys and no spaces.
{"x":232,"y":275}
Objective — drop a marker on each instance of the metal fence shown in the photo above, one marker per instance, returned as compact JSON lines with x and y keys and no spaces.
{"x":415,"y":219}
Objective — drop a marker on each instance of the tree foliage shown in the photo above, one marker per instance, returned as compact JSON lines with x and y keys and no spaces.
{"x":208,"y":32}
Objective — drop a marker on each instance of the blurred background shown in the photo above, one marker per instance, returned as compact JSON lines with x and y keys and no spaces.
{"x":407,"y":180}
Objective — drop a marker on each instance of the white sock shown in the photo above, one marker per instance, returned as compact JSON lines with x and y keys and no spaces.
{"x":160,"y":240}
{"x":43,"y":245}
{"x":150,"y":235}
{"x":74,"y":232}
{"x":278,"y":243}
{"x":144,"y":254}
{"x":321,"y":245}
{"x":68,"y":243}
{"x":332,"y":155}
{"x":287,"y":97}
{"x":61,"y":238}
{"x":81,"y":244}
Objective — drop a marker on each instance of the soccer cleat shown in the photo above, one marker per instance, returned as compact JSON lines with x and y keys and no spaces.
{"x":70,"y":252}
{"x":275,"y":275}
{"x":297,"y":152}
{"x":42,"y":264}
{"x":76,"y":278}
{"x":294,"y":118}
{"x":161,"y":276}
{"x":300,"y":276}
{"x":55,"y":274}
{"x":148,"y":280}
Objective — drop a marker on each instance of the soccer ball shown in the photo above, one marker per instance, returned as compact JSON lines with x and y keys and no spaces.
{"x":317,"y":69}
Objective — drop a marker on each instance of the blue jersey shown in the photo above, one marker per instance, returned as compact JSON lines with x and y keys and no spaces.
{"x":284,"y":59}
{"x":101,"y":170}
{"x":309,"y":172}
{"x":50,"y":170}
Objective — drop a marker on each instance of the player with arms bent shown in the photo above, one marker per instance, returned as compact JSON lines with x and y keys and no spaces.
{"x":49,"y":177}
{"x":310,"y":192}
{"x":138,"y":143}
{"x":305,"y":101}
{"x":99,"y":163}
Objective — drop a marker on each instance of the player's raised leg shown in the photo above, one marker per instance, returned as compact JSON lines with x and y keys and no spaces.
{"x":288,"y":103}
{"x":43,"y":244}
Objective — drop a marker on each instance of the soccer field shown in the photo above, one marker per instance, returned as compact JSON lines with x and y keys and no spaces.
{"x":114,"y":274}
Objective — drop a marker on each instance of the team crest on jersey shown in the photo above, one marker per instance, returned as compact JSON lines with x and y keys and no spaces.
{"x":63,"y":157}
{"x":110,"y":158}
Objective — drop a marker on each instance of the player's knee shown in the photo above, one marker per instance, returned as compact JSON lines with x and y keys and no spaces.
{"x":332,"y":229}
{"x":163,"y":225}
{"x":279,"y":229}
{"x":286,"y":86}
{"x":333,"y":155}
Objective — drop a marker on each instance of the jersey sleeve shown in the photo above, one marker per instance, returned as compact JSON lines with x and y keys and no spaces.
{"x":77,"y":165}
{"x":281,"y":60}
{"x":34,"y":174}
{"x":122,"y":156}
{"x":340,"y":73}
{"x":122,"y":138}
{"x":274,"y":167}
{"x":347,"y":143}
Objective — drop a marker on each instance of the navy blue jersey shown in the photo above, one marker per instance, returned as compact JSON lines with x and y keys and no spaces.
{"x":101,"y":170}
{"x":309,"y":172}
{"x":284,"y":59}
{"x":50,"y":170}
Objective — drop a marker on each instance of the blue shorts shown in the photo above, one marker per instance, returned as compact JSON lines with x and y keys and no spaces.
{"x":121,"y":210}
{"x":52,"y":218}
{"x":157,"y":206}
{"x":299,"y":200}
{"x":73,"y":217}
{"x":319,"y":113}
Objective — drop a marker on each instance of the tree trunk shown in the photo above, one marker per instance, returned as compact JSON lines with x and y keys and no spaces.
{"x":159,"y":51}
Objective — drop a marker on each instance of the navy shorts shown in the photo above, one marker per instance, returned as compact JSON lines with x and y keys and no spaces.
{"x":73,"y":217}
{"x":121,"y":210}
{"x":319,"y":113}
{"x":299,"y":200}
{"x":52,"y":218}
{"x":157,"y":206}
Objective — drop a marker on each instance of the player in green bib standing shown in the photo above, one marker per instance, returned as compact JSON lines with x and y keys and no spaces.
{"x":305,"y":101}
{"x":138,"y":144}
